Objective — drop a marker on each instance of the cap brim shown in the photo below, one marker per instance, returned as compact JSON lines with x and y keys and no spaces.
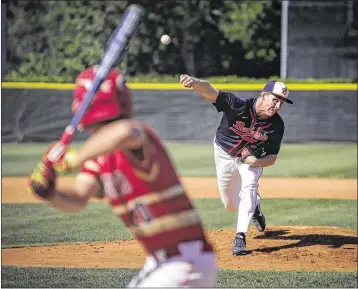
{"x":283,"y":98}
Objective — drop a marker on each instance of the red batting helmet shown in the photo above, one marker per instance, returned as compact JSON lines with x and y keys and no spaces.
{"x":112,"y":100}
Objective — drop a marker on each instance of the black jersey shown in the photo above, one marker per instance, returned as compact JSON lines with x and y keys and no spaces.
{"x":241,"y":127}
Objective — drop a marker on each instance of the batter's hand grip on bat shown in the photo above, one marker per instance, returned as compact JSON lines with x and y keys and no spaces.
{"x":55,"y":152}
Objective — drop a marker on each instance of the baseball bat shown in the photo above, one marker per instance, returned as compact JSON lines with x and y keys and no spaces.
{"x":112,"y":55}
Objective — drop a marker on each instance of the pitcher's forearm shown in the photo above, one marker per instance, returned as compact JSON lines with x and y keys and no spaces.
{"x":262,"y":162}
{"x":204,"y":88}
{"x":200,"y":86}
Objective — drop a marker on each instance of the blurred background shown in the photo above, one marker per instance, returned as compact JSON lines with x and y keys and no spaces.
{"x":58,"y":39}
{"x":237,"y":45}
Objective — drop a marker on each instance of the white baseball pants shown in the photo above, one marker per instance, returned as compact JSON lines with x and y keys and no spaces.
{"x":193,"y":268}
{"x":238,"y":186}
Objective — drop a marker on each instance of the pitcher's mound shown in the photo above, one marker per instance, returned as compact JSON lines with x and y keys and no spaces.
{"x":279,"y":248}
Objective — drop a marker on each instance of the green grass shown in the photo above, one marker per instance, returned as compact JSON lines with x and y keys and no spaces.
{"x":295,"y":160}
{"x":39,"y":224}
{"x":24,"y":224}
{"x":27,"y":277}
{"x":37,"y":277}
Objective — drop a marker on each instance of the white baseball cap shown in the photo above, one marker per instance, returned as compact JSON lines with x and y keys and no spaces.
{"x":277,"y":88}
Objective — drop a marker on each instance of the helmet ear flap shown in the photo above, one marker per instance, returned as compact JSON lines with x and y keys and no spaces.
{"x":121,"y":81}
{"x":125,"y":102}
{"x":124,"y":95}
{"x":75,"y":105}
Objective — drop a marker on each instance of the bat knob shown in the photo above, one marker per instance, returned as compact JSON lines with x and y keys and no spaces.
{"x":137,"y":9}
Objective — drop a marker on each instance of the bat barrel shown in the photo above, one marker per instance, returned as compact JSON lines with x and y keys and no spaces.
{"x":112,"y":55}
{"x":120,"y":39}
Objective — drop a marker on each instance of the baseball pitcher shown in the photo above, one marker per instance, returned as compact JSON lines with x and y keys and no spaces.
{"x":248,"y":138}
{"x":126,"y":160}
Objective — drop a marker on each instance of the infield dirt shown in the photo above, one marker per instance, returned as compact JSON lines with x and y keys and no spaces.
{"x":13,"y":189}
{"x":279,"y":248}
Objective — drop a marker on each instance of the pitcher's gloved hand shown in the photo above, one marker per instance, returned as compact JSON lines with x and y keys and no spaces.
{"x":245,"y":153}
{"x":256,"y":150}
{"x":42,"y":180}
{"x":62,"y":157}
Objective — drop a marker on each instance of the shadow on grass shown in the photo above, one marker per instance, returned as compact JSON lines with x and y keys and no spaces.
{"x":333,"y":241}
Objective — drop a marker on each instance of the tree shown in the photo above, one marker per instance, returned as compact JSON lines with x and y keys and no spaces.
{"x":60,"y":38}
{"x":25,"y":29}
{"x":256,"y":24}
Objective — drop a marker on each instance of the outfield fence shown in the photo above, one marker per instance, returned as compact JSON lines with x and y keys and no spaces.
{"x":321,"y":114}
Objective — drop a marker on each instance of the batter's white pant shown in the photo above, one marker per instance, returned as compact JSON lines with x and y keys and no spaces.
{"x":238,"y":185}
{"x":193,"y":268}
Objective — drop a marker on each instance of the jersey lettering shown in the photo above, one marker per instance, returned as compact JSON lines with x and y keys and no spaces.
{"x":116,"y":184}
{"x":140,"y":214}
{"x":122,"y":183}
{"x":241,"y":127}
{"x":149,"y":198}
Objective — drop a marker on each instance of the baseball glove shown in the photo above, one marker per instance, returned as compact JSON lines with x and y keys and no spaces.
{"x":256,"y":150}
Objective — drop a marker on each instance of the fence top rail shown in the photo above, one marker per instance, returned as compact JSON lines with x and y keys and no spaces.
{"x":178,"y":86}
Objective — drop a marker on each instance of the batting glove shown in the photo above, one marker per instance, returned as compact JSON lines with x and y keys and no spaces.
{"x":62,"y":157}
{"x":42,"y":180}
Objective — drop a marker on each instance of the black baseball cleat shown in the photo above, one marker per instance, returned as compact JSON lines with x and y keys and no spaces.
{"x":259,"y":219}
{"x":239,"y":245}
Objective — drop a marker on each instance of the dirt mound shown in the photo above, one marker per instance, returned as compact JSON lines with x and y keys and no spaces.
{"x":279,"y":248}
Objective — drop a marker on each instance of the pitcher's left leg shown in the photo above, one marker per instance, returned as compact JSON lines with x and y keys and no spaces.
{"x":258,"y":218}
{"x":248,"y":200}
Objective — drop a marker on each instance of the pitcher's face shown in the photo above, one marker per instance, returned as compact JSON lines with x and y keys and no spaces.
{"x":272,"y":104}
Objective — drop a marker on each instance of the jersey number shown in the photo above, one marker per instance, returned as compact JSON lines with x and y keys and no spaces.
{"x":140,"y":214}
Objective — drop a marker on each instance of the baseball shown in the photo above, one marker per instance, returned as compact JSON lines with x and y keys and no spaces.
{"x":165,"y":39}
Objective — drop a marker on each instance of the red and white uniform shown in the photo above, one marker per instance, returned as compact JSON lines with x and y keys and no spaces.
{"x":152,"y":202}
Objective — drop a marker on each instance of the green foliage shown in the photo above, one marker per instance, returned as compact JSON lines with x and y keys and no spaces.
{"x":15,"y":76}
{"x":163,"y":78}
{"x":236,"y":79}
{"x":73,"y":36}
{"x":42,"y":277}
{"x":60,"y":38}
{"x":55,"y":40}
{"x":247,"y":22}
